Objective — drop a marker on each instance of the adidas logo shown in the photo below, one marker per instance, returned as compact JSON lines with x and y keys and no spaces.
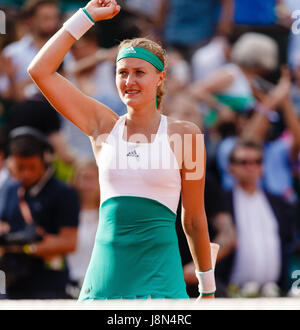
{"x":133,"y":154}
{"x":130,"y":50}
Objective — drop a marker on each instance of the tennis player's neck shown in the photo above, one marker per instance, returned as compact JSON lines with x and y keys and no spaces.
{"x":142,"y":117}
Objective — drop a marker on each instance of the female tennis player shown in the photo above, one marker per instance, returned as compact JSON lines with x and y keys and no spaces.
{"x":136,"y":253}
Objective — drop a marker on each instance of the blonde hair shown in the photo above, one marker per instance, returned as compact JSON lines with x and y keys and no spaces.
{"x":255,"y":50}
{"x":154,"y":48}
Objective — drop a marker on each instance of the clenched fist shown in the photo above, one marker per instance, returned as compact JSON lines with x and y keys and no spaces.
{"x":102,"y":9}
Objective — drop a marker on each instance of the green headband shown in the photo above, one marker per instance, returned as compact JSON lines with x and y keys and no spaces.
{"x":143,"y":54}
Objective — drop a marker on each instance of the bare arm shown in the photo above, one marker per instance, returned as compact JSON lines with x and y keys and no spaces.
{"x":293,"y":125}
{"x":51,"y":245}
{"x":226,"y":17}
{"x":205,"y":89}
{"x":89,"y":115}
{"x":193,"y":212}
{"x":162,"y":10}
{"x":226,"y":238}
{"x":63,"y":243}
{"x":194,"y":219}
{"x":89,"y":61}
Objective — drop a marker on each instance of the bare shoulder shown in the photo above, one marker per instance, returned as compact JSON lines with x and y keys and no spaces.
{"x":182,"y":127}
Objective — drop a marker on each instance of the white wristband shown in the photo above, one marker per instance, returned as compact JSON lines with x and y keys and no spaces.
{"x":207,"y":283}
{"x":78,"y":24}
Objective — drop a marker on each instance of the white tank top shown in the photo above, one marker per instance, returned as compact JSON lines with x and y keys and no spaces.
{"x":148,"y":170}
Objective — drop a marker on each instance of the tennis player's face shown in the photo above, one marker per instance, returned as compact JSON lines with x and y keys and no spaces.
{"x":137,"y":82}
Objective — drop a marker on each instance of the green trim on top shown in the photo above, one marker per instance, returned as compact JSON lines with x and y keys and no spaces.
{"x":142,"y":53}
{"x":88,"y":15}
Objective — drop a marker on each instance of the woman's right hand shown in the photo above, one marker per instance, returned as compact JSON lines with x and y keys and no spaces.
{"x":101,"y":10}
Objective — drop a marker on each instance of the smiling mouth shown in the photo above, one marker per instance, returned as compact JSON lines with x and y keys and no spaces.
{"x":135,"y":92}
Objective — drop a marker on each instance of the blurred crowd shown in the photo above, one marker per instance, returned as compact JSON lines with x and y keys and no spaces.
{"x":233,"y":69}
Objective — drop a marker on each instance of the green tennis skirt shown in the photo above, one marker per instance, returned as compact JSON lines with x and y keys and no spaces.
{"x":136,"y":253}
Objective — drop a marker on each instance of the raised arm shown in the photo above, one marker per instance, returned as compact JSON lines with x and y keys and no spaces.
{"x":90,"y":116}
{"x":225,"y":23}
{"x":258,"y":126}
{"x":293,"y":125}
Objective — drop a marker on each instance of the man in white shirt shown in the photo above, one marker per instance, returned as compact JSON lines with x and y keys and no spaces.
{"x":264,"y":223}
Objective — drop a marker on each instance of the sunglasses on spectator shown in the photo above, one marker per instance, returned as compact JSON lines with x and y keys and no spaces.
{"x":243,"y":162}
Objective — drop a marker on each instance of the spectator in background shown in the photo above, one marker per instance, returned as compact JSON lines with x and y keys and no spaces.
{"x":230,"y":87}
{"x":178,"y":78}
{"x":295,"y":88}
{"x":240,"y":92}
{"x":266,"y":17}
{"x":8,"y":87}
{"x":43,"y":17}
{"x":149,"y":8}
{"x":184,"y":108}
{"x":210,"y":58}
{"x":277,"y":178}
{"x":188,"y":25}
{"x":290,"y":7}
{"x":90,"y":79}
{"x":87,"y":185}
{"x":36,"y":112}
{"x":279,"y":152}
{"x":130,"y":23}
{"x":38,"y":267}
{"x":5,"y":176}
{"x":264,"y":224}
{"x":295,"y":96}
{"x":255,"y":12}
{"x":7,"y":38}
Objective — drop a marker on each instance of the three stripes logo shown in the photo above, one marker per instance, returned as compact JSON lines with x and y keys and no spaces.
{"x":133,"y":154}
{"x":130,"y":50}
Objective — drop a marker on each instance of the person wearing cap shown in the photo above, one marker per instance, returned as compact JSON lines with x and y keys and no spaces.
{"x":136,"y":254}
{"x":34,"y":263}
